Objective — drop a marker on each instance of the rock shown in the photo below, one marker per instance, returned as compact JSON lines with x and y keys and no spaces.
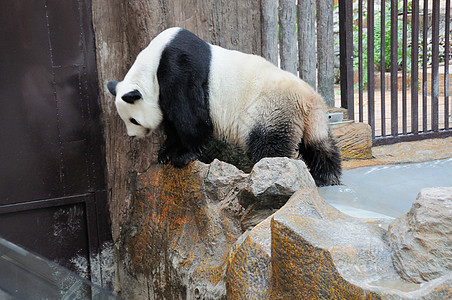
{"x":422,"y":238}
{"x":354,"y":140}
{"x":190,"y":236}
{"x":319,"y":253}
{"x":222,"y":179}
{"x":273,"y":180}
{"x":180,"y":232}
{"x":185,"y":223}
{"x":310,"y":250}
{"x":248,"y":274}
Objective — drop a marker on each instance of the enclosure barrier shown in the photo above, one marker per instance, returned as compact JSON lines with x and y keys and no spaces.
{"x":419,"y":105}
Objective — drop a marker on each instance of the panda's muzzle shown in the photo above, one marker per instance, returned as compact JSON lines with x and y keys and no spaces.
{"x":147,"y":131}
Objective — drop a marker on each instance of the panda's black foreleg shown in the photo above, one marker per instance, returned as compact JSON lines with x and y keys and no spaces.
{"x":178,"y":155}
{"x":177,"y":150}
{"x":165,"y":153}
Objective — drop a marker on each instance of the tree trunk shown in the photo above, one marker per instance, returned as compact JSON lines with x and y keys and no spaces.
{"x":122,"y":30}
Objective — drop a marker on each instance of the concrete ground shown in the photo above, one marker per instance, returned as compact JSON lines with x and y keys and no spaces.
{"x":386,"y":185}
{"x":418,"y":151}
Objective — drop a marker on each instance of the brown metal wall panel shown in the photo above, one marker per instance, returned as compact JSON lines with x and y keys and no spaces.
{"x":70,"y":106}
{"x":52,"y":162}
{"x":65,"y":32}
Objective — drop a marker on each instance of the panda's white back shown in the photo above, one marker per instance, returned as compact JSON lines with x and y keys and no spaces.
{"x":241,"y":85}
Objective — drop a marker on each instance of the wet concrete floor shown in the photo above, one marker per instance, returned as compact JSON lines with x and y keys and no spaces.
{"x":386,"y":185}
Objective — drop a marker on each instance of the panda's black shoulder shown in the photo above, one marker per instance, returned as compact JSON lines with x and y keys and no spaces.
{"x":183,"y":78}
{"x":185,"y":54}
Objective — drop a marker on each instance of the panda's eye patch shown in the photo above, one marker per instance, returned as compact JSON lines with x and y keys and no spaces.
{"x":133,"y":121}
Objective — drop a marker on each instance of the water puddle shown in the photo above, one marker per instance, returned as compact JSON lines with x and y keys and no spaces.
{"x":386,"y":191}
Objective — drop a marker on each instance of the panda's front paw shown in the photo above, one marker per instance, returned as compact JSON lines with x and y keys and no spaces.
{"x":180,"y":161}
{"x":164,"y":155}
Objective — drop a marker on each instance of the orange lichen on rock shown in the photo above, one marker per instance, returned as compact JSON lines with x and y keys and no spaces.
{"x":176,"y":233}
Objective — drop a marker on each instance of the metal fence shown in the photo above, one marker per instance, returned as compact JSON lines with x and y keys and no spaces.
{"x":395,"y":59}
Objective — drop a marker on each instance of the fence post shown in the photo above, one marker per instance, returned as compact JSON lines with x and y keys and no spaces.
{"x":394,"y":69}
{"x":346,"y":56}
{"x":269,"y":13}
{"x":306,"y":41}
{"x":288,"y":35}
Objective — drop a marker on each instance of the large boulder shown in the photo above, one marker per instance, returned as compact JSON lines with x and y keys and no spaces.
{"x":422,"y":238}
{"x":182,"y":226}
{"x":211,"y":231}
{"x":310,"y":250}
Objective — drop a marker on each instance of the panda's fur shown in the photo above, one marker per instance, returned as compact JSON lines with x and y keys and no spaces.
{"x":197,"y":91}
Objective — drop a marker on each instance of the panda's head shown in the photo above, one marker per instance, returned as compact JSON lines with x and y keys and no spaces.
{"x":137,"y":106}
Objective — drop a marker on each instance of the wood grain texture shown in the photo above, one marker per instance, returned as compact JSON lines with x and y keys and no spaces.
{"x":270,"y":30}
{"x":354,"y":140}
{"x":122,"y":29}
{"x":325,"y":53}
{"x":288,"y":35}
{"x":307,"y":41}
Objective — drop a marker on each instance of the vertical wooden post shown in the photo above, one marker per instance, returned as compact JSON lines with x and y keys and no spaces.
{"x":288,"y":35}
{"x":269,"y":34}
{"x":306,"y":42}
{"x":122,"y":29}
{"x":325,"y":52}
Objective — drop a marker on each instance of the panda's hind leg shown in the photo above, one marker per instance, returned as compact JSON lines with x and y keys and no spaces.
{"x":270,"y":142}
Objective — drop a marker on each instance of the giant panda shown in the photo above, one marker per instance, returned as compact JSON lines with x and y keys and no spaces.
{"x":198,"y":91}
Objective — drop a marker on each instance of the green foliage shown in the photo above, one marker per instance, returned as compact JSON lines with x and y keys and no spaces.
{"x":377,"y":41}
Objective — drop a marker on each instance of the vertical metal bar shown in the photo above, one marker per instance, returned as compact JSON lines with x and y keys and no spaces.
{"x":404,"y":66}
{"x":346,"y":56}
{"x":394,"y":68}
{"x":435,"y":63}
{"x":383,"y":67}
{"x":447,"y":110}
{"x":424,"y":65}
{"x":360,"y":59}
{"x":414,"y":67}
{"x":370,"y":67}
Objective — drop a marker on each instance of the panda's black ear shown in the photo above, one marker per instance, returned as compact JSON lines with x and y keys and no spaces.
{"x":132,"y":96}
{"x":111,"y":85}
